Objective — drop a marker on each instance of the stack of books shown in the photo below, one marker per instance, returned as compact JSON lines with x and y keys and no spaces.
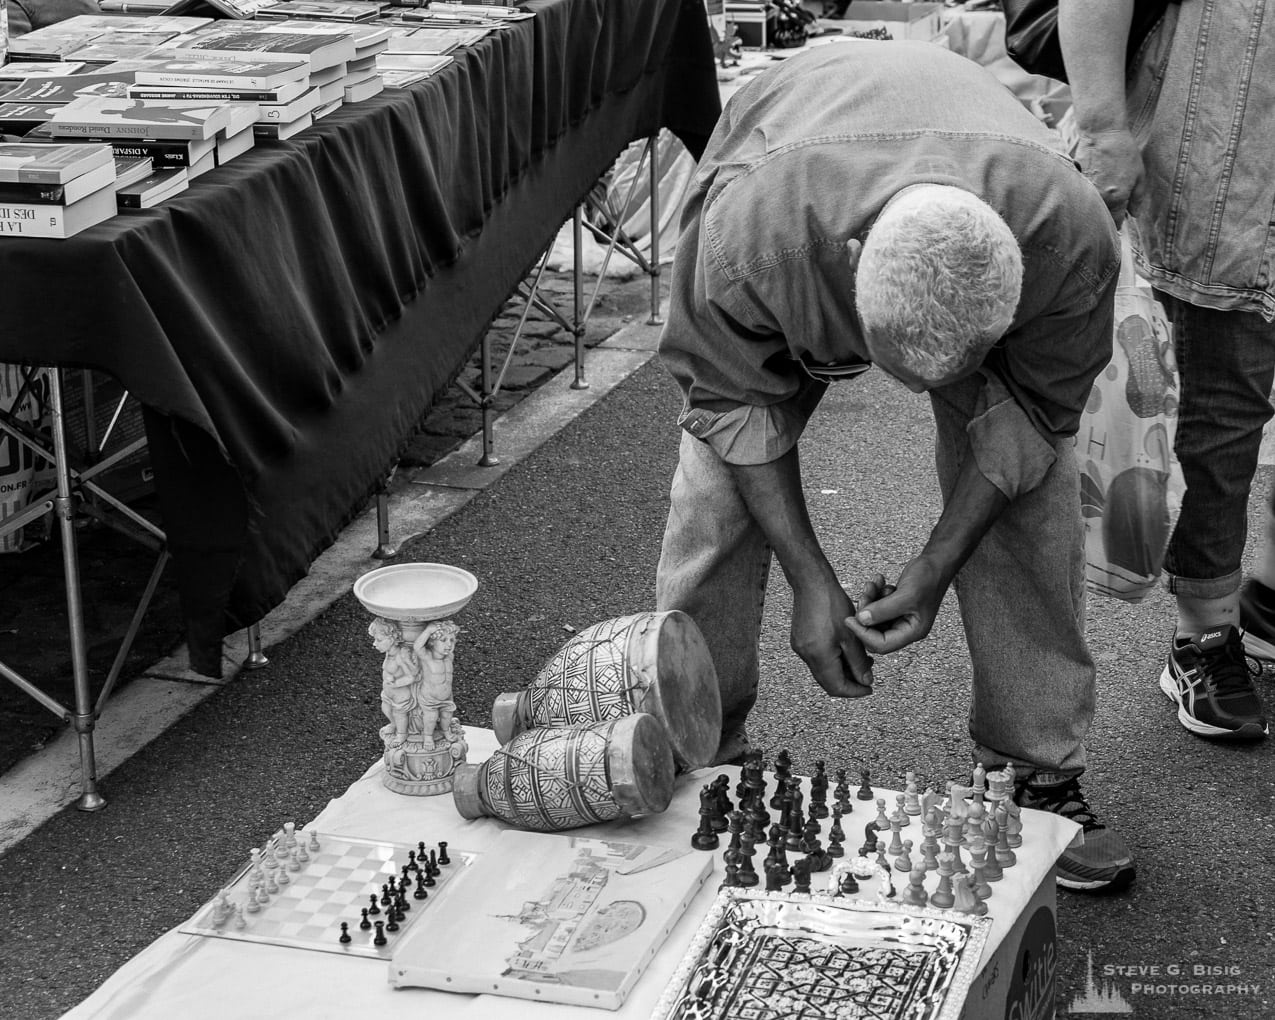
{"x":55,"y":190}
{"x":326,"y":49}
{"x":216,"y":130}
{"x":345,"y":11}
{"x":100,"y":38}
{"x":279,"y":87}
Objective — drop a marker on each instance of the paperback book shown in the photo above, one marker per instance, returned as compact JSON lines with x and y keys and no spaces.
{"x":225,"y":73}
{"x":60,"y":194}
{"x":283,"y":94}
{"x":130,"y":118}
{"x":285,"y":113}
{"x":38,"y":69}
{"x":63,"y":89}
{"x":131,"y":168}
{"x":60,"y":221}
{"x":38,"y":163}
{"x":320,"y":50}
{"x":426,"y":62}
{"x":152,"y":189}
{"x":277,"y":131}
{"x":319,"y":10}
{"x":19,"y":118}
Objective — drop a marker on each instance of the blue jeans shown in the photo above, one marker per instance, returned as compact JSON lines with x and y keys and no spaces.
{"x":1021,"y":595}
{"x":1226,"y":360}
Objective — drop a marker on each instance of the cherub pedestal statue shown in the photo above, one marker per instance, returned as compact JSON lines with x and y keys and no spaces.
{"x":424,"y":741}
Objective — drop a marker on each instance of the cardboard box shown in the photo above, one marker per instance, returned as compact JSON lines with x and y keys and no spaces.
{"x":901,"y":20}
{"x":1020,"y":980}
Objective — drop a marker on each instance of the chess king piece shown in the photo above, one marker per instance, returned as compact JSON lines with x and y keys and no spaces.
{"x":657,"y":663}
{"x":553,"y":779}
{"x":424,"y":742}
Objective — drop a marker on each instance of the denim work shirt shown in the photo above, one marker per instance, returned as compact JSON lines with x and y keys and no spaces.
{"x":802,"y":161}
{"x":1202,"y":99}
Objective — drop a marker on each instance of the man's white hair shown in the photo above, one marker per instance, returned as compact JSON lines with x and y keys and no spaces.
{"x":939,"y":279}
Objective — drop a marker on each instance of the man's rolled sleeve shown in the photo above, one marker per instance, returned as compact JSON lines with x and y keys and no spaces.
{"x":1009,"y":451}
{"x":747,"y":434}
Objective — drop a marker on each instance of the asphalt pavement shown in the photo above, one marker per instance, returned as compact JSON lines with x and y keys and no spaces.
{"x":567,"y":534}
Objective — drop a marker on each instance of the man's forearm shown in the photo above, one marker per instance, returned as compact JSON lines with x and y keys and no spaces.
{"x":774,"y":497}
{"x":974,"y":506}
{"x":1094,"y":35}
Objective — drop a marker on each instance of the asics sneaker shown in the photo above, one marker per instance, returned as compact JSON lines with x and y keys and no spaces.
{"x":1210,"y":680}
{"x":1099,"y":861}
{"x":1257,"y":617}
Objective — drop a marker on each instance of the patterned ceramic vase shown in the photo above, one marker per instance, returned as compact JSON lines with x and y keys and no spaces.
{"x":648,"y":662}
{"x":552,"y":779}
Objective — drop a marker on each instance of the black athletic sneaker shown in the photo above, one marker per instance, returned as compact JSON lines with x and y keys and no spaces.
{"x":1257,"y":617}
{"x":1100,"y":862}
{"x":1210,"y":681}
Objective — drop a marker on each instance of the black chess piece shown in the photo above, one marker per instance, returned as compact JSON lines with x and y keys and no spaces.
{"x":722,"y":806}
{"x":442,"y":853}
{"x":849,"y":884}
{"x":774,"y":878}
{"x":365,"y":924}
{"x":869,"y":840}
{"x":836,"y":834}
{"x":865,"y":787}
{"x":385,"y":895}
{"x":421,"y":856}
{"x":401,"y":904}
{"x":819,"y":791}
{"x":373,"y":909}
{"x":392,"y":923}
{"x":427,"y":877}
{"x":705,"y":837}
{"x":732,"y":870}
{"x":747,"y":849}
{"x":345,"y":933}
{"x":379,"y":939}
{"x":411,"y":861}
{"x":419,"y":892}
{"x":801,"y":875}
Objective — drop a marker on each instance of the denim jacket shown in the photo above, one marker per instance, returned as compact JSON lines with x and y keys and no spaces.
{"x":801,"y":162}
{"x":1202,"y":97}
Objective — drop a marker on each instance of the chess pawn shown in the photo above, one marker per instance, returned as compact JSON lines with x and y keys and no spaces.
{"x":911,"y":796}
{"x":896,"y":838}
{"x":882,"y":861}
{"x":653,"y":663}
{"x":978,"y":862}
{"x":836,"y":834}
{"x":903,"y":862}
{"x":882,"y":820}
{"x":841,"y":793}
{"x":865,"y":786}
{"x":553,"y":779}
{"x":915,"y":892}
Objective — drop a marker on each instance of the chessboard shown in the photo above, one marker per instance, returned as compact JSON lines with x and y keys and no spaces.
{"x":332,"y":893}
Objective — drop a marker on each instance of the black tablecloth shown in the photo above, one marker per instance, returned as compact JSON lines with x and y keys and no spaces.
{"x":287,"y":321}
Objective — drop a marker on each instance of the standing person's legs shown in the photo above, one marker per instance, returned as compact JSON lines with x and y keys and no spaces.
{"x":1022,"y":600}
{"x":1226,"y":361}
{"x":713,"y":566}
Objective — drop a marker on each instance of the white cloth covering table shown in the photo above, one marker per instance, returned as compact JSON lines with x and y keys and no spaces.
{"x":193,"y":977}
